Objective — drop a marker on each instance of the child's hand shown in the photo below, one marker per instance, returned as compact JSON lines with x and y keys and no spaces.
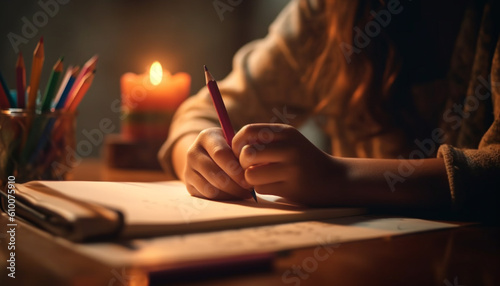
{"x":212,"y":171}
{"x":279,"y":160}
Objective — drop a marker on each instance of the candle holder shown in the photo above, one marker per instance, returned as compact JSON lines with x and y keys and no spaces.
{"x":145,"y":125}
{"x":142,"y":135}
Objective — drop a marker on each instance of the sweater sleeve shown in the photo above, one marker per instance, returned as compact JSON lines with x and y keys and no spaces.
{"x":474,"y":174}
{"x":264,"y":86}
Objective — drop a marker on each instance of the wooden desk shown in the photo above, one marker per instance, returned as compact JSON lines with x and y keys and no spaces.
{"x":460,"y":256}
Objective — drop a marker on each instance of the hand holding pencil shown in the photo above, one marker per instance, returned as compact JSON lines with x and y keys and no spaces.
{"x":206,"y":162}
{"x":221,"y":112}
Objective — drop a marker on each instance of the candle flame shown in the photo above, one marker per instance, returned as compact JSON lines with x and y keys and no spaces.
{"x":155,"y":73}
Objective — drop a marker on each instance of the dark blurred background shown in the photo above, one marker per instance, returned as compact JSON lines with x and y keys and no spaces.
{"x":128,"y":36}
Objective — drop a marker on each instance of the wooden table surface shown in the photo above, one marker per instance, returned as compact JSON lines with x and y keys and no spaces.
{"x":459,"y":256}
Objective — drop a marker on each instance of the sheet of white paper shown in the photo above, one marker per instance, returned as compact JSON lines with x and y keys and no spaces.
{"x":169,"y":204}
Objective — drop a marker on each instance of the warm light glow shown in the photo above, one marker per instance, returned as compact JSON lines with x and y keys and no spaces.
{"x":155,"y":73}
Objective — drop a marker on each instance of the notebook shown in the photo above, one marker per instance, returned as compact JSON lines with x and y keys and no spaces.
{"x":86,"y":210}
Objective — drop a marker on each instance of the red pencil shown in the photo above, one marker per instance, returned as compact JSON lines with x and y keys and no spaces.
{"x":21,"y":81}
{"x":225,"y":123}
{"x":4,"y":101}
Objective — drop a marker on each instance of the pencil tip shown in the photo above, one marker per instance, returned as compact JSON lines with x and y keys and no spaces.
{"x":254,"y":196}
{"x":205,"y":68}
{"x":41,"y":40}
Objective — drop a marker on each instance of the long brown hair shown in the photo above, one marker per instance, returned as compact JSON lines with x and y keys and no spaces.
{"x":357,"y":88}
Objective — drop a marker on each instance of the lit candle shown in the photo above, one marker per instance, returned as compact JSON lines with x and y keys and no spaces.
{"x":149,"y":101}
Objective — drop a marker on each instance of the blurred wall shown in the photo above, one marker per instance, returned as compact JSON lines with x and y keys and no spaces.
{"x":128,"y":35}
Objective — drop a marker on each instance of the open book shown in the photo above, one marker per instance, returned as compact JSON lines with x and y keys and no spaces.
{"x":86,"y":210}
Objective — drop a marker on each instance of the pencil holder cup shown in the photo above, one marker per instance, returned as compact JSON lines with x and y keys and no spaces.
{"x":36,"y":146}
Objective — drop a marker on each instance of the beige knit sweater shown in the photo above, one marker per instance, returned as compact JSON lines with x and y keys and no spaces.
{"x":462,"y":109}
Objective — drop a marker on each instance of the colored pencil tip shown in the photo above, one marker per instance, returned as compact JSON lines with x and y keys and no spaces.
{"x":41,"y":40}
{"x":205,"y":68}
{"x":254,"y":196}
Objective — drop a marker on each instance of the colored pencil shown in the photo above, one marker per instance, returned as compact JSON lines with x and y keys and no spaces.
{"x":225,"y":123}
{"x":40,"y":130}
{"x":39,"y":134}
{"x":21,"y":81}
{"x":36,"y":71}
{"x":66,"y":85}
{"x":63,"y":85}
{"x":54,"y":127}
{"x":4,"y":97}
{"x":35,"y":137}
{"x":50,"y":90}
{"x":80,"y":90}
{"x":87,"y":68}
{"x":71,"y":82}
{"x":58,"y":132}
{"x":219,"y":107}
